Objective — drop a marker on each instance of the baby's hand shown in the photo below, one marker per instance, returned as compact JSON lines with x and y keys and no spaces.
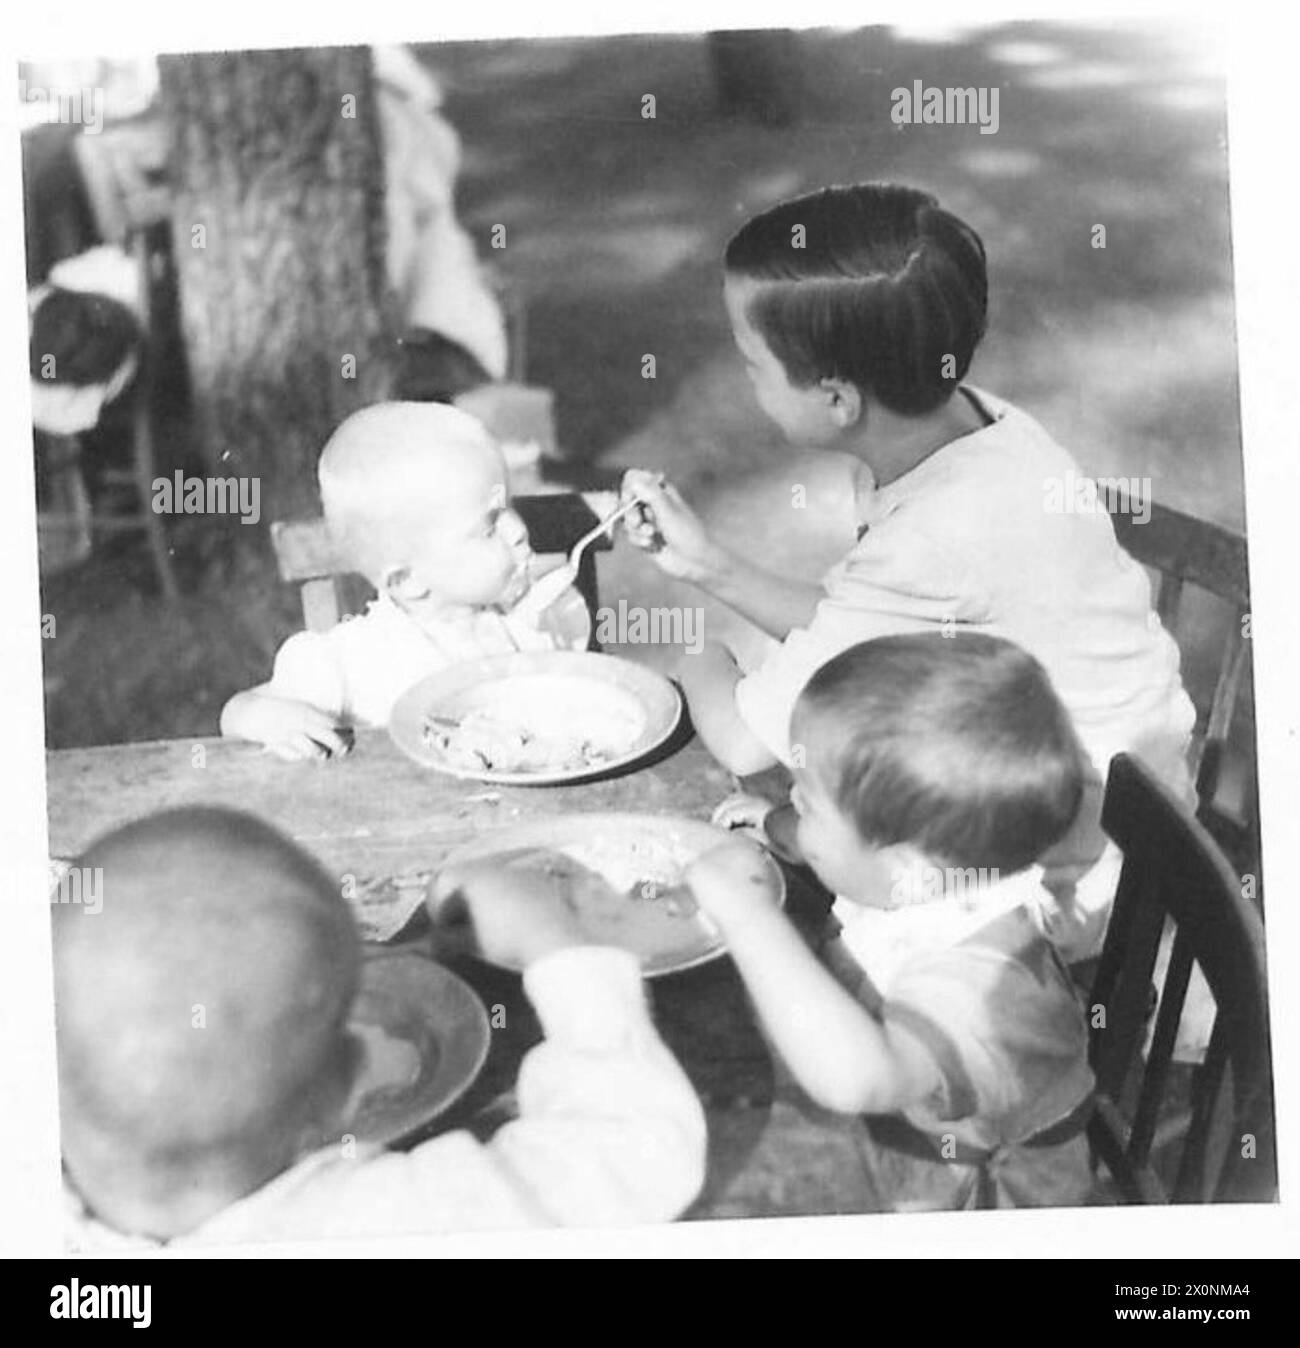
{"x":673,"y":533}
{"x":290,"y":729}
{"x":516,"y":915}
{"x":732,"y":880}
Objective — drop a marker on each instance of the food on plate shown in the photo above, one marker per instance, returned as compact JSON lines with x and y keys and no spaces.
{"x":623,"y":876}
{"x":537,"y":725}
{"x":624,"y":892}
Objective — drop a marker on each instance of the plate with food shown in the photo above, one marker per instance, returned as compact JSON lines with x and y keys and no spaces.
{"x":623,"y":875}
{"x":536,"y":718}
{"x":425,"y":1035}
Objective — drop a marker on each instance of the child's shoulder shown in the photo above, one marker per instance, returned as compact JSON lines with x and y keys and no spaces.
{"x":380,"y":623}
{"x":974,"y":487}
{"x":1012,"y":442}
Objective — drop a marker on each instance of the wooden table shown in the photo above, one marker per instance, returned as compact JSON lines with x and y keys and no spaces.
{"x":376,"y":812}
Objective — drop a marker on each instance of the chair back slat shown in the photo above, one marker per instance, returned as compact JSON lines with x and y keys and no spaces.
{"x":1173,"y":872}
{"x":1138,"y":1183}
{"x":1195,"y":551}
{"x":1169,"y":597}
{"x":322,"y":607}
{"x":1173,"y":998}
{"x":555,"y":523}
{"x":305,"y":550}
{"x":1227,"y":686}
{"x":1208,"y":763}
{"x":1209,"y":1138}
{"x":1122,"y":986}
{"x":1184,"y":551}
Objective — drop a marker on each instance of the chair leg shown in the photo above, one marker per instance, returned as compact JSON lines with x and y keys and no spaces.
{"x":143,"y":463}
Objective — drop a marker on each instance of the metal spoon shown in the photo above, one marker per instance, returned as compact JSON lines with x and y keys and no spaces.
{"x":553,"y":584}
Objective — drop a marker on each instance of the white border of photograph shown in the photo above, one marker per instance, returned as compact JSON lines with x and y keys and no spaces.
{"x":1261,"y":142}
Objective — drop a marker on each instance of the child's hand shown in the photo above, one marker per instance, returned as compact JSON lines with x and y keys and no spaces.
{"x":516,"y":915}
{"x":674,"y":536}
{"x":732,"y":881}
{"x":290,"y":729}
{"x":743,"y":814}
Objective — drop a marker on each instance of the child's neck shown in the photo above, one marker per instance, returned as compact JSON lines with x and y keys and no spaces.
{"x":892,"y":445}
{"x":434,"y":613}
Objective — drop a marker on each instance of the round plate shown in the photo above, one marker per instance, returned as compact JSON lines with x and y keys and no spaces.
{"x":544,"y":692}
{"x":663,"y":928}
{"x":426,"y":1035}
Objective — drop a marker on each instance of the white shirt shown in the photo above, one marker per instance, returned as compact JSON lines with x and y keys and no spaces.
{"x":610,"y":1132}
{"x":883,"y":940}
{"x":964,"y":542}
{"x":359,"y":668}
{"x":973,"y":978}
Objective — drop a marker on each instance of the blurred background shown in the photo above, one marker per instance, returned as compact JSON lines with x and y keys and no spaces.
{"x":614,"y":227}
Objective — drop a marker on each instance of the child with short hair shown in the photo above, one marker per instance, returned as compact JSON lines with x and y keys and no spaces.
{"x":858,"y":311}
{"x":932,"y":774}
{"x":184,"y":1132}
{"x":416,"y":498}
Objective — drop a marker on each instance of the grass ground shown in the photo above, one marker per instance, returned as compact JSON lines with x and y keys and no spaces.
{"x":615,"y":224}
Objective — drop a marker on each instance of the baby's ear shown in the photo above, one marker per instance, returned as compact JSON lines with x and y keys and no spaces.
{"x":341,"y":1093}
{"x":397,"y":584}
{"x":353,"y":1058}
{"x":330,"y":1101}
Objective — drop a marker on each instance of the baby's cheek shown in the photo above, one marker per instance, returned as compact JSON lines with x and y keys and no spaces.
{"x":483,"y":562}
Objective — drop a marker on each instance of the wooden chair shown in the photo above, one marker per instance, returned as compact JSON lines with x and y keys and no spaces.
{"x":1174,"y":873}
{"x":1182,"y":552}
{"x":305,"y":552}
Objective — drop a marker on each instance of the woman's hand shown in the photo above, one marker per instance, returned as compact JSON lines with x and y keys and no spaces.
{"x":672,"y":533}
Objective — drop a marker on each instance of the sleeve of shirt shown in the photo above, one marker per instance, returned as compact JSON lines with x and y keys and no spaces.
{"x":897,"y":579}
{"x":610,"y":1133}
{"x":610,"y":1130}
{"x":1005,"y":1030}
{"x":308,"y":669}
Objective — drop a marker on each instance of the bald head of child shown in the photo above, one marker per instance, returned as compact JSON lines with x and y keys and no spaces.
{"x":930,"y":754}
{"x":417,"y":499}
{"x":201,"y":1017}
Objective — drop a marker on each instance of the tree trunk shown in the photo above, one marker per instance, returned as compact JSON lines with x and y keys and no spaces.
{"x":278,"y":227}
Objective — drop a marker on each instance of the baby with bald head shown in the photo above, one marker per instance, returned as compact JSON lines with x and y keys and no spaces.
{"x":416,"y":497}
{"x":417,"y":501}
{"x":201,"y":1017}
{"x":208,"y":1066}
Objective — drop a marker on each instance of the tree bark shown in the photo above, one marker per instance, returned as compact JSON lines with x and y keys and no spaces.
{"x":278,"y":227}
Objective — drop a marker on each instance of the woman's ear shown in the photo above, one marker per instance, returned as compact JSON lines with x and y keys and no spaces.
{"x":845,"y":401}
